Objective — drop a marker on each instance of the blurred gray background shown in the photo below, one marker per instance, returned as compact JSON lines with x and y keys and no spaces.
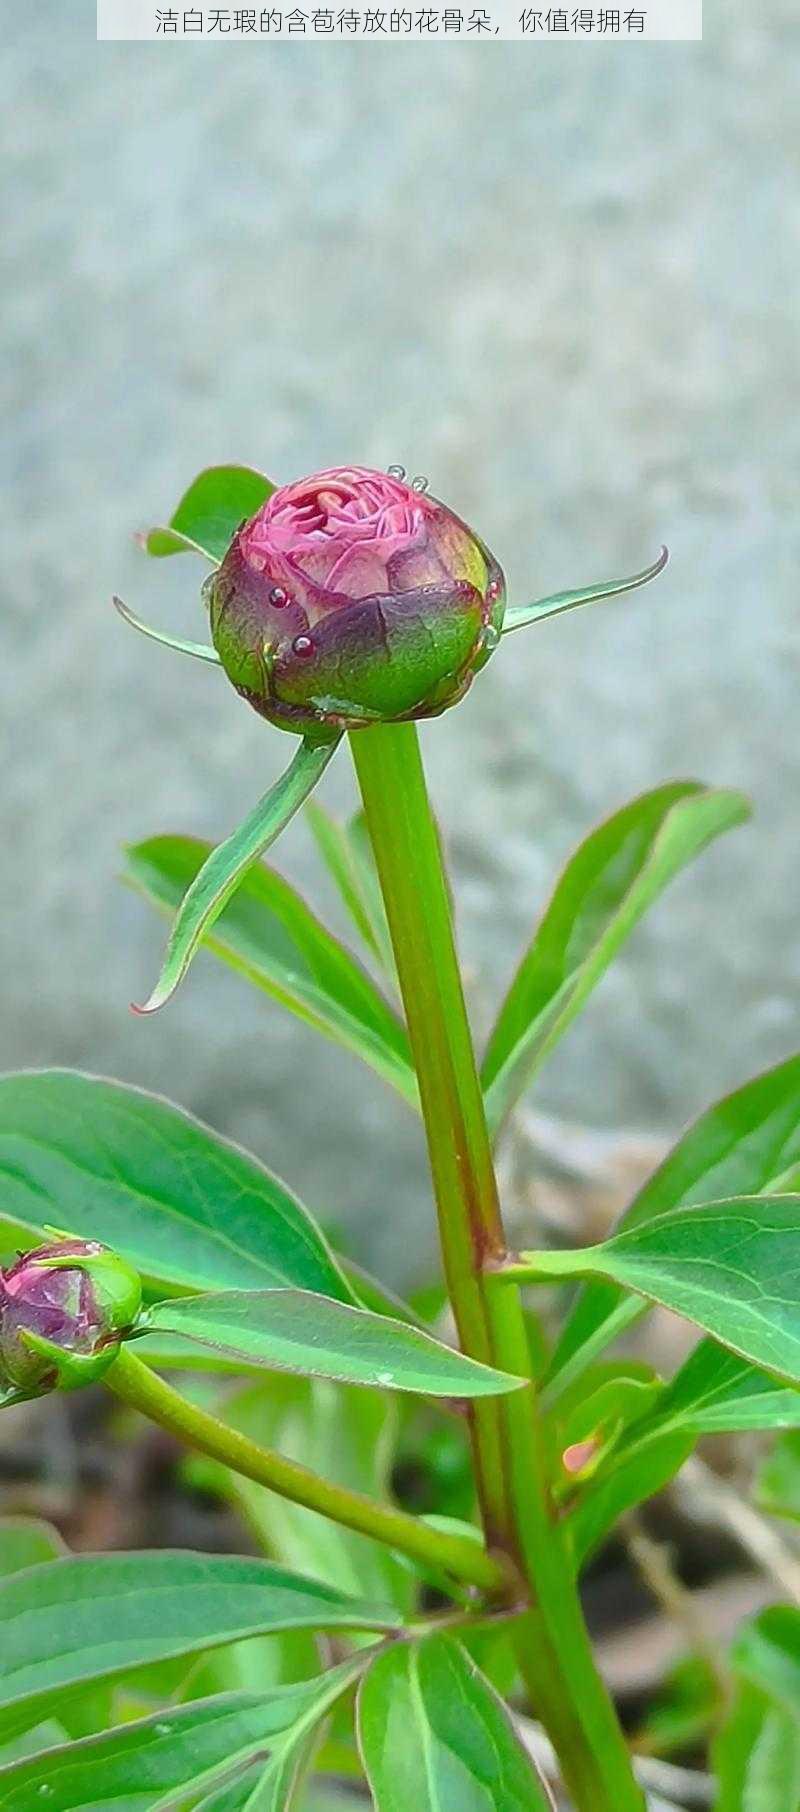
{"x":560,"y":281}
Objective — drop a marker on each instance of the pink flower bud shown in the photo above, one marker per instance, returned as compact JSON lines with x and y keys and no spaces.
{"x":63,"y":1310}
{"x":352,"y":597}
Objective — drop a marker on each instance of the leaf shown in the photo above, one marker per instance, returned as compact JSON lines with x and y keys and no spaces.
{"x":226,"y":866}
{"x":347,"y":1439}
{"x":778,"y":1480}
{"x":346,"y":853}
{"x":210,"y":512}
{"x":142,"y":1762}
{"x":715,"y":1392}
{"x":608,"y":885}
{"x":434,"y":1736}
{"x":740,"y":1146}
{"x":291,"y":1330}
{"x":116,"y":1164}
{"x":93,"y":1617}
{"x":629,"y":1478}
{"x":152,"y":1764}
{"x":519,"y":615}
{"x":25,"y":1541}
{"x":758,"y":1753}
{"x":269,"y":935}
{"x":730,"y":1267}
{"x":766,"y":1651}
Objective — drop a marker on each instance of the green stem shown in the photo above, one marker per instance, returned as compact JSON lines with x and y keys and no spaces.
{"x":451,"y":1556}
{"x":510,"y":1459}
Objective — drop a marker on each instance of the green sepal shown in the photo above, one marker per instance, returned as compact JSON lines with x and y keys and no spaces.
{"x":518,"y":616}
{"x":203,"y":651}
{"x":73,"y":1370}
{"x":228,"y":863}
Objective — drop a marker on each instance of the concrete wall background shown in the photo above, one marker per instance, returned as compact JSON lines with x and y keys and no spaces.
{"x":562,"y":283}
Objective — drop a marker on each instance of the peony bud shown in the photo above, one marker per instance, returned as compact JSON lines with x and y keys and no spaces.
{"x":350,"y":598}
{"x":64,"y":1309}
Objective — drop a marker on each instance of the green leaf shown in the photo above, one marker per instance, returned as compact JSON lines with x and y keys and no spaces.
{"x":93,"y":1617}
{"x":188,"y":1209}
{"x":25,"y":1541}
{"x":629,"y":1478}
{"x":766,"y":1651}
{"x":715,"y":1392}
{"x":210,"y":512}
{"x":615,"y":875}
{"x":730,"y":1267}
{"x":269,"y":935}
{"x":346,"y":852}
{"x":226,"y":866}
{"x":733,"y":1746}
{"x":146,"y":1766}
{"x":518,"y":616}
{"x":434,"y":1736}
{"x":778,"y":1480}
{"x":342,"y":1437}
{"x":740,"y":1146}
{"x":291,"y":1330}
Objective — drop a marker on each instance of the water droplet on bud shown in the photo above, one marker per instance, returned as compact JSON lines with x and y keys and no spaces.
{"x":386,"y":1377}
{"x":46,"y":1792}
{"x":163,"y":1729}
{"x":493,"y":590}
{"x":278,"y":597}
{"x":303,"y":646}
{"x":396,"y":472}
{"x":490,"y":638}
{"x":419,"y":484}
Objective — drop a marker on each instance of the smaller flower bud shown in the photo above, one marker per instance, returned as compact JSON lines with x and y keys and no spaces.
{"x":64,"y":1308}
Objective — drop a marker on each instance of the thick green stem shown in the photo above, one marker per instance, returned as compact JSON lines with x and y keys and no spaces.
{"x":554,"y":1648}
{"x":450,"y":1556}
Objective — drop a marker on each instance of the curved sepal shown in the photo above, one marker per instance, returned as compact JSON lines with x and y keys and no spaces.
{"x":72,"y":1370}
{"x":203,"y":651}
{"x":517,"y":616}
{"x":220,"y":875}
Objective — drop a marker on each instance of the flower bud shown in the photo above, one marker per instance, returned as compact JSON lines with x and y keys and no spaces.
{"x":350,"y":598}
{"x":63,"y":1310}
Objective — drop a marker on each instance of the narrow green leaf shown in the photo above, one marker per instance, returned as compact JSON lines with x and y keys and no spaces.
{"x":733,"y":1747}
{"x":740,"y":1146}
{"x":716,"y":1392}
{"x":291,"y":1330}
{"x":268,"y":934}
{"x":142,"y":1766}
{"x":224,"y":869}
{"x":210,"y":512}
{"x":519,"y":615}
{"x":773,"y":1770}
{"x":188,"y":1209}
{"x":615,"y":875}
{"x":630,"y":1478}
{"x":757,"y":1754}
{"x":434,"y":1736}
{"x":93,"y":1617}
{"x":25,"y":1541}
{"x":730,"y":1267}
{"x":347,"y":862}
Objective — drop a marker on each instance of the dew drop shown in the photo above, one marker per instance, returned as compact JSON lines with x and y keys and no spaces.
{"x":163,"y":1729}
{"x":419,"y":484}
{"x":396,"y":472}
{"x":490,"y":638}
{"x":386,"y":1377}
{"x":278,"y":597}
{"x":493,"y":590}
{"x":303,"y":646}
{"x":46,"y":1792}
